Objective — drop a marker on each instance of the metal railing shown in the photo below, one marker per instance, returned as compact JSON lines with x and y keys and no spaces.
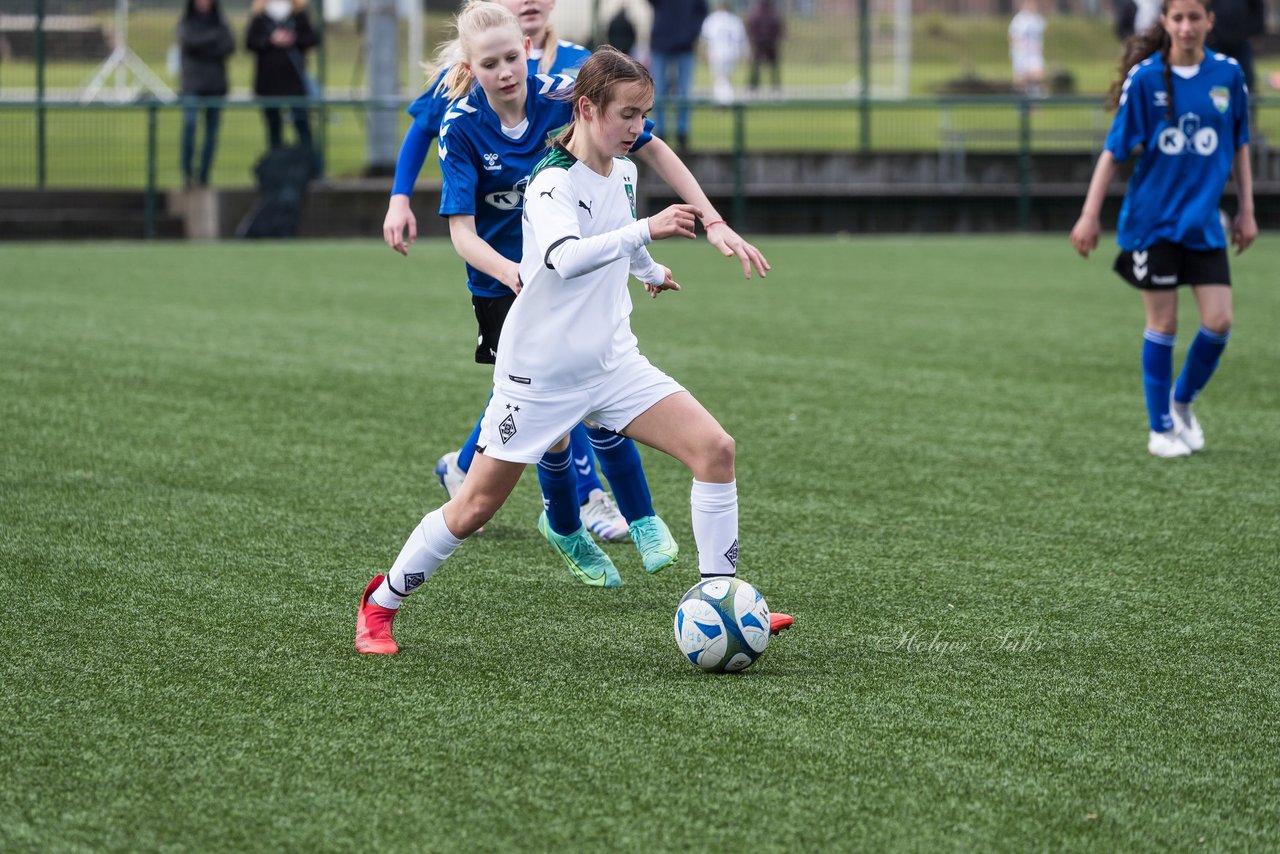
{"x":121,"y":145}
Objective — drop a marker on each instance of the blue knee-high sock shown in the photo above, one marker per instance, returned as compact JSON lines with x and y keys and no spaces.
{"x":559,"y":484}
{"x":1202,"y":360}
{"x":468,"y":451}
{"x":620,"y":462}
{"x":584,"y":462}
{"x":1157,"y":377}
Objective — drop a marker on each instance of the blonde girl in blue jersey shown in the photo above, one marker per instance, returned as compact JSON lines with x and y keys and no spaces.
{"x":1188,"y":111}
{"x":582,"y":243}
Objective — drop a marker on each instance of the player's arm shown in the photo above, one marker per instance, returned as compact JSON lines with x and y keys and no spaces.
{"x":550,"y":210}
{"x":1244,"y":230}
{"x":672,"y":170}
{"x":472,"y":249}
{"x":400,"y":218}
{"x":1084,"y":234}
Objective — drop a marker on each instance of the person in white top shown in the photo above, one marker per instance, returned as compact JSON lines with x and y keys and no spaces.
{"x":724,"y":39}
{"x":582,"y":242}
{"x":1026,"y":49}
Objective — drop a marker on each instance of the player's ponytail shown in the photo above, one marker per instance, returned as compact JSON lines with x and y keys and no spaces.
{"x":1137,"y":48}
{"x":605,"y":70}
{"x":548,"y":60}
{"x":474,"y":19}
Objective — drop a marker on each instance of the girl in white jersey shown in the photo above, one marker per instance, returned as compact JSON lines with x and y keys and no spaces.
{"x":1188,"y":111}
{"x":581,"y":244}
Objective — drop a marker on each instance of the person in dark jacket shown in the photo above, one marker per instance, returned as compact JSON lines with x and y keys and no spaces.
{"x":1235,"y":22}
{"x":621,"y":33}
{"x":205,"y":41}
{"x":677,"y":25}
{"x":279,"y":35}
{"x":765,"y":30}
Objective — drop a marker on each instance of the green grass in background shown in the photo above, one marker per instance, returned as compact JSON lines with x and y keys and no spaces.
{"x":1015,"y":630}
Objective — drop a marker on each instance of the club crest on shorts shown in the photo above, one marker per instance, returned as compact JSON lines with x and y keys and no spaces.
{"x":507,"y":428}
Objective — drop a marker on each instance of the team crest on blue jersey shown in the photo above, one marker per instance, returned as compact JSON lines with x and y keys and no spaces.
{"x":631,"y":197}
{"x":1221,"y":97}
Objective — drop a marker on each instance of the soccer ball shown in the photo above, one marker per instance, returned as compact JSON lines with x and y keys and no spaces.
{"x":722,"y":625}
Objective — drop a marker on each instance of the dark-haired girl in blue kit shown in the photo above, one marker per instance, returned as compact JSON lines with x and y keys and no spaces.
{"x":1188,"y":110}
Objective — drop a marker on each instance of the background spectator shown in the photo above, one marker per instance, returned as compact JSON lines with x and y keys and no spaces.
{"x":279,"y":34}
{"x":205,"y":42}
{"x":1235,"y":22}
{"x":621,"y":33}
{"x":724,"y":39}
{"x":1026,"y":49}
{"x":765,"y":30}
{"x":677,"y":24}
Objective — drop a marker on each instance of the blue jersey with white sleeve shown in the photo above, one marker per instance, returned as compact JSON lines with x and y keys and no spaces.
{"x":1176,"y":186}
{"x":486,"y":168}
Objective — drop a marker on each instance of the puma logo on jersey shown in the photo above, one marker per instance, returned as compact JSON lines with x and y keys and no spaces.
{"x":547,"y":193}
{"x":586,"y":207}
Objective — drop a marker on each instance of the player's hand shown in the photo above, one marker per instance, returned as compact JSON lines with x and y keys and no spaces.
{"x":399,"y":220}
{"x":724,"y":238}
{"x":1244,"y":230}
{"x":511,"y":278}
{"x":667,"y":284}
{"x":1084,"y":234}
{"x":675,"y":221}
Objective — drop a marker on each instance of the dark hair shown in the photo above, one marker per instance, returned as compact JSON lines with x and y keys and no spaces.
{"x":598,"y":79}
{"x":1139,"y":47}
{"x":215,"y":10}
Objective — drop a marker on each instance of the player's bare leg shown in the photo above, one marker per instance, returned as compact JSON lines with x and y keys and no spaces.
{"x":681,"y":426}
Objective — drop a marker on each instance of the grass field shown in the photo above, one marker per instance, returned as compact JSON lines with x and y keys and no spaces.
{"x":1015,"y":631}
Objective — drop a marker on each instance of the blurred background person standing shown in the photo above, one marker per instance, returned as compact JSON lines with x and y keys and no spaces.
{"x":724,"y":39}
{"x":765,"y":30}
{"x":677,"y":24}
{"x":1026,"y":49}
{"x":621,"y":33}
{"x":279,"y":34}
{"x":205,"y":42}
{"x":1235,"y":22}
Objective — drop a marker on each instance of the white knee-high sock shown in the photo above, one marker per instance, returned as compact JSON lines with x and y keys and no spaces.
{"x":428,"y":546}
{"x":715,"y":526}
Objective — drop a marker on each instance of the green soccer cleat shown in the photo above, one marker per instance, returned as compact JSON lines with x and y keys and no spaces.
{"x":584,"y":558}
{"x":658,"y":549}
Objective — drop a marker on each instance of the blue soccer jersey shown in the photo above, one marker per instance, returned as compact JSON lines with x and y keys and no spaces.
{"x":1176,"y":186}
{"x":485,"y":170}
{"x":429,"y":108}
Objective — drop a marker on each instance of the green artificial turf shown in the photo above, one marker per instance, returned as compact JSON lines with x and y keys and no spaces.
{"x":1015,"y":630}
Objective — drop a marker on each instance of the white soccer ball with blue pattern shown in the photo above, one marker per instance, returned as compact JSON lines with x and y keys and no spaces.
{"x":722,"y":625}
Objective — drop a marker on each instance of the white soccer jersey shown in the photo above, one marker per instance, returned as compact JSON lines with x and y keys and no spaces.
{"x":571,"y":324}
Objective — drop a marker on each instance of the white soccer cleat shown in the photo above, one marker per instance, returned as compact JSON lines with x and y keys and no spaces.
{"x":1167,"y":444}
{"x":449,"y":474}
{"x":601,"y":516}
{"x":1186,"y":426}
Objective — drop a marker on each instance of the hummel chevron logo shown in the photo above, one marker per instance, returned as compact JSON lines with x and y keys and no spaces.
{"x":586,"y":207}
{"x":549,"y":83}
{"x":1140,"y":265}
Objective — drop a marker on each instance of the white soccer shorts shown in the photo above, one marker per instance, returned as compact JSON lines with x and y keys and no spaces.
{"x":521,"y":423}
